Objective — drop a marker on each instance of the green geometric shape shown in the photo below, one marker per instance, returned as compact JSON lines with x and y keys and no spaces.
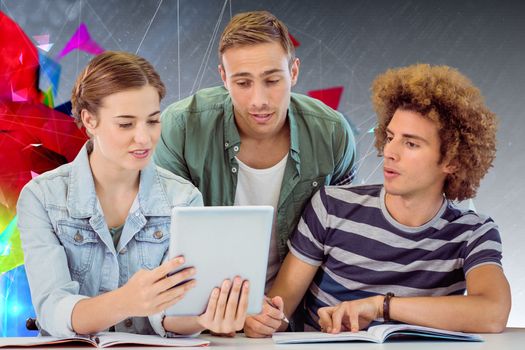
{"x":11,"y":254}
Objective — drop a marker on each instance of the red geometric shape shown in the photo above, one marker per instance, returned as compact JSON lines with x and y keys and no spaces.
{"x":331,"y":96}
{"x":19,"y":63}
{"x":294,"y":41}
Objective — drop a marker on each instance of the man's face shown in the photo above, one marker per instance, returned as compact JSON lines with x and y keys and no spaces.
{"x":411,"y":157}
{"x":259,"y":80}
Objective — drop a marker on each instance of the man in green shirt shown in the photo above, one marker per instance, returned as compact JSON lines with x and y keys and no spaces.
{"x":253,"y":141}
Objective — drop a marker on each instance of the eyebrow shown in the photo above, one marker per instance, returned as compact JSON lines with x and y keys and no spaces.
{"x":263,"y":74}
{"x":127,"y":116}
{"x":409,"y":136}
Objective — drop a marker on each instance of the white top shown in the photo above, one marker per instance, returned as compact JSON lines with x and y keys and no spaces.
{"x":262,"y":187}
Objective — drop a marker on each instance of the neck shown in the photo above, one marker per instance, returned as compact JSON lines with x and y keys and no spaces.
{"x":109,"y":178}
{"x":411,"y":210}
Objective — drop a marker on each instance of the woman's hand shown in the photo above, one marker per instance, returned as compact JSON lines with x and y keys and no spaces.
{"x":150,"y":291}
{"x":227,"y":307}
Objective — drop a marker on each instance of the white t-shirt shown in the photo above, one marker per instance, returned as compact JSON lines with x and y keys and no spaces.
{"x":262,"y":187}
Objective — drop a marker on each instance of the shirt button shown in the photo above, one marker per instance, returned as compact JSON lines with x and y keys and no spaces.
{"x":158,"y":234}
{"x":236,"y":148}
{"x":78,"y":237}
{"x":128,"y":322}
{"x":123,"y":250}
{"x":234,"y":170}
{"x":314,"y":184}
{"x":137,"y":214}
{"x":226,"y":144}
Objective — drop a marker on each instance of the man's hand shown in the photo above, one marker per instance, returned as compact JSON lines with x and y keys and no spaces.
{"x":227,"y":308}
{"x":350,"y":315}
{"x":268,"y":321}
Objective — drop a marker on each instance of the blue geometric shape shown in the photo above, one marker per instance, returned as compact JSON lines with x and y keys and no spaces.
{"x":15,"y":304}
{"x":64,"y":108}
{"x":51,"y":69}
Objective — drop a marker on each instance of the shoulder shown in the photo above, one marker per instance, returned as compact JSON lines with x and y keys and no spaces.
{"x":53,"y":181}
{"x":332,"y":199}
{"x":313,"y":108}
{"x":179,"y":190}
{"x":364,"y":194}
{"x":205,"y":100}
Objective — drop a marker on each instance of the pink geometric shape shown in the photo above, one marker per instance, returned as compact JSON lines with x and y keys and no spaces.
{"x":19,"y":96}
{"x":41,"y":39}
{"x":331,"y":96}
{"x":81,"y":40}
{"x":33,"y":174}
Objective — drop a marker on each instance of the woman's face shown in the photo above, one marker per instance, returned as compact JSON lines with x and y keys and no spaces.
{"x":126,"y":128}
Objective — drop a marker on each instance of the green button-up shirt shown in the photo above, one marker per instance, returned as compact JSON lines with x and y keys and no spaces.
{"x":199,"y":141}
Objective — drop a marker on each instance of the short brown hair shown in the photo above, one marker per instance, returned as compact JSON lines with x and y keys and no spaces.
{"x":108,"y":73}
{"x":256,"y":27}
{"x":467,"y":128}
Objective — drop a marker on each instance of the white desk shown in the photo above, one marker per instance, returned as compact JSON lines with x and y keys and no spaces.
{"x":511,"y":339}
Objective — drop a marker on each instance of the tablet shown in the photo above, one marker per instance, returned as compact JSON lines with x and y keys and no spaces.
{"x":221,"y":243}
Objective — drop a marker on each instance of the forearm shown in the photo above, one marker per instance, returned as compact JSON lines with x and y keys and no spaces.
{"x":469,"y":313}
{"x":96,"y":314}
{"x":182,"y":325}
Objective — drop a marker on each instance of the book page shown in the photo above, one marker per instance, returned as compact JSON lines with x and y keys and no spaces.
{"x":40,"y":341}
{"x":384,"y":331}
{"x":107,"y":339}
{"x":320,"y":337}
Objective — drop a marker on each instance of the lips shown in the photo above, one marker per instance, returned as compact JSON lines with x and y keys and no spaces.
{"x":390,"y":173}
{"x":140,"y":153}
{"x":261,"y":117}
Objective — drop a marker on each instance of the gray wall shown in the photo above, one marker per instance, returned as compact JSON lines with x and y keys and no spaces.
{"x":342,"y":43}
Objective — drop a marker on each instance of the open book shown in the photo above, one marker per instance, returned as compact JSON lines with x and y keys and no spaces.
{"x":376,"y":334}
{"x":103,"y":340}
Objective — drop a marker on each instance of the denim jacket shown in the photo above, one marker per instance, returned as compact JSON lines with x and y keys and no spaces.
{"x":68,"y":249}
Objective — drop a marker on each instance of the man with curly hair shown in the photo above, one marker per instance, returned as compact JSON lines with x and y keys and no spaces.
{"x":402,"y":251}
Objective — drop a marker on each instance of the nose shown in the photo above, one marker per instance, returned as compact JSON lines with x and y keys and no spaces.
{"x":259,"y":97}
{"x":142,"y":135}
{"x":390,"y":150}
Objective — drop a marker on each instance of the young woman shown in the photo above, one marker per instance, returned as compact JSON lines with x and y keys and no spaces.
{"x":95,"y":232}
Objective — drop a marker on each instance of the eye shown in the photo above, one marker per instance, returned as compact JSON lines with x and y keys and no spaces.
{"x":125,"y":125}
{"x":388,"y":139}
{"x":153,"y":122}
{"x":412,"y":144}
{"x":243,"y":83}
{"x":272,"y":81}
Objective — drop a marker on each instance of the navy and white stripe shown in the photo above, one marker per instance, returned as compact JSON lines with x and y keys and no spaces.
{"x":362,"y":251}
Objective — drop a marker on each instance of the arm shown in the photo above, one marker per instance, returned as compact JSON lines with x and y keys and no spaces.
{"x":60,"y":309}
{"x":291,"y":283}
{"x":484,"y":309}
{"x":146,"y":293}
{"x":344,"y":144}
{"x":169,"y":152}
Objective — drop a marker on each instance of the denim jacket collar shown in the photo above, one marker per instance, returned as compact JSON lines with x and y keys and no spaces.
{"x":82,"y":199}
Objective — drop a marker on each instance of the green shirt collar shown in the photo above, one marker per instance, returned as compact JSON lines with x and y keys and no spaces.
{"x":231,"y":134}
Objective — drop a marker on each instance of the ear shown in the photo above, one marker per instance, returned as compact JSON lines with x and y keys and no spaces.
{"x":222,"y":72}
{"x":89,"y":120}
{"x":450,"y":167}
{"x":294,"y":71}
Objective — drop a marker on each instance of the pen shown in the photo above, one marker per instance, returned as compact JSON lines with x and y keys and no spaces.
{"x":269,"y":301}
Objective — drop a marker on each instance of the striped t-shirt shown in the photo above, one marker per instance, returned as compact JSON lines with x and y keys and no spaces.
{"x":362,"y":251}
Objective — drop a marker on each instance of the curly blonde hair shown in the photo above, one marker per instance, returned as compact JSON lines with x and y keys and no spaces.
{"x":467,"y":128}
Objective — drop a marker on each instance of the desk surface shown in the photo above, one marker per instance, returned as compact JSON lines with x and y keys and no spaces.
{"x":511,"y":339}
